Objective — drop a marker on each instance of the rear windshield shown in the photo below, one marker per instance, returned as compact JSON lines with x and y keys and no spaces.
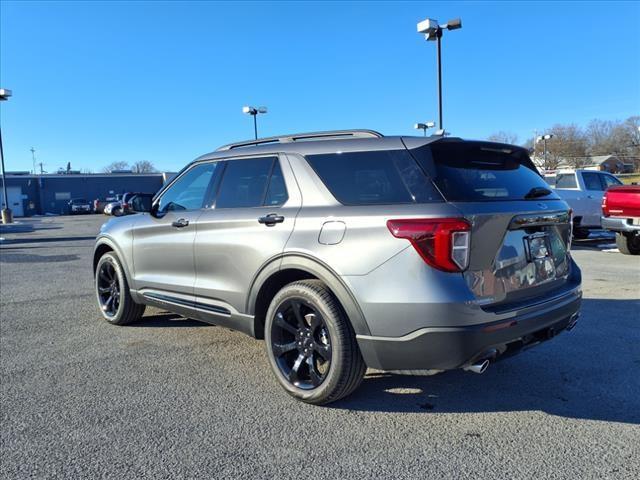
{"x":481,"y":171}
{"x":374,"y":177}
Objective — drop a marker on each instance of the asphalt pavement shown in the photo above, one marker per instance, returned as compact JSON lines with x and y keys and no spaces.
{"x":174,"y":398}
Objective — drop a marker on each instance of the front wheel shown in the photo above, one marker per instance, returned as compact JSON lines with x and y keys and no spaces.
{"x":311,"y":345}
{"x":628,"y":243}
{"x":112,"y":291}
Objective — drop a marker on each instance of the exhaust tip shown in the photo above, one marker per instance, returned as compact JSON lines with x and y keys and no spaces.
{"x":478,"y":367}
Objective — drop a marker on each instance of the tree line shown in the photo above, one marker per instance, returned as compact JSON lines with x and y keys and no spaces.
{"x":142,"y":166}
{"x":572,"y":144}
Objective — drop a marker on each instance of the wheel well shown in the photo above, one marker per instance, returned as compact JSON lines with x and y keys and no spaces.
{"x":100,"y":251}
{"x":269,"y":289}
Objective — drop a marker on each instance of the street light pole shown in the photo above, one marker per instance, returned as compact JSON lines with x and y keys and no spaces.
{"x":439,"y":58}
{"x":544,"y":138}
{"x":7,"y":217}
{"x":424,"y":126}
{"x":432,"y":30}
{"x":254,"y":112}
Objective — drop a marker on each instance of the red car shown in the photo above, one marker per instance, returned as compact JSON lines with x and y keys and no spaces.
{"x":621,"y":214}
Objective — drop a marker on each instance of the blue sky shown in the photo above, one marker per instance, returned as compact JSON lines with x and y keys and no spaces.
{"x":165,"y":82}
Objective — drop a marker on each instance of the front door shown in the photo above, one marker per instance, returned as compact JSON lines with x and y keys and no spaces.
{"x":252,"y":218}
{"x":164,"y":269}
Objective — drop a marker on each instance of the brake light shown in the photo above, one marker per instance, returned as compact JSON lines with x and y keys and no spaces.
{"x":605,"y":209}
{"x":443,"y":243}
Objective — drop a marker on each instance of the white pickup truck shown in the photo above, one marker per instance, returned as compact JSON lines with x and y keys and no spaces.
{"x":583,"y":191}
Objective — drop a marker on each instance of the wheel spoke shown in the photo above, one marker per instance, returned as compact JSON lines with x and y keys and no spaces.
{"x":316,"y":379}
{"x":280,"y":349}
{"x":103,"y":275}
{"x":295,"y":306}
{"x":323,"y":350}
{"x":104,"y":289}
{"x":294,"y":373}
{"x":108,"y":302}
{"x":282,"y":323}
{"x":313,"y":320}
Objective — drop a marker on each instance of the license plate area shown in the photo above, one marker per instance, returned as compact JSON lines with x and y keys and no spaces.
{"x":537,"y":247}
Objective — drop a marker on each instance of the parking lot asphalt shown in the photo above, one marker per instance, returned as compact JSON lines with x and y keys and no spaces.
{"x":174,"y":398}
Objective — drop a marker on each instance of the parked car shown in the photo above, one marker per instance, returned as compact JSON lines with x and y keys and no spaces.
{"x":79,"y":205}
{"x":123,"y":205}
{"x":583,"y":191}
{"x":346,"y":250}
{"x":621,"y":214}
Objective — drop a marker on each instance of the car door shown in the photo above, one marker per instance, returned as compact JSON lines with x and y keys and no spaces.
{"x":250,"y":222}
{"x":593,"y":192}
{"x":163,"y":262}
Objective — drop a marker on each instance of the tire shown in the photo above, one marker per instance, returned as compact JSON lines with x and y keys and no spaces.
{"x":108,"y":273}
{"x":116,"y":212}
{"x":581,"y":233}
{"x":628,"y":243}
{"x":329,"y":338}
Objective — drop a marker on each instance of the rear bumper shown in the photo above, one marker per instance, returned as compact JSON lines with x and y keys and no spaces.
{"x":447,"y":348}
{"x":619,"y":224}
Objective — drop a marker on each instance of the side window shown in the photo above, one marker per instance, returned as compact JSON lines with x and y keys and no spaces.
{"x":566,"y":180}
{"x":592,"y":181}
{"x":277,"y":191}
{"x":189,"y":191}
{"x":610,"y":181}
{"x":244,"y":183}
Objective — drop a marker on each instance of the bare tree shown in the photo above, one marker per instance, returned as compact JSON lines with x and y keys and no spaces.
{"x":121,"y":165}
{"x":569,"y":144}
{"x":143,"y":166}
{"x":503,"y":137}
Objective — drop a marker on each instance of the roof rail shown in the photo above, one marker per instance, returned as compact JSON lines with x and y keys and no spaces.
{"x":300,"y":137}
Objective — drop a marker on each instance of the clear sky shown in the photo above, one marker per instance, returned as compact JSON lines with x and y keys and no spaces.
{"x":165,"y":82}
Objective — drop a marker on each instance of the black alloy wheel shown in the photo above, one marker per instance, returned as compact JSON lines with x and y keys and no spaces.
{"x":301,"y":343}
{"x":108,"y":289}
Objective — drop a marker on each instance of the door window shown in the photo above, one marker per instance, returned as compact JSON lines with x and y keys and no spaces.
{"x":592,"y":181}
{"x":610,"y":181}
{"x":253,"y":182}
{"x":189,"y":191}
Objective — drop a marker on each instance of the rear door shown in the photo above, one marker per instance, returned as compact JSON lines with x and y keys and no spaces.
{"x":164,"y":268}
{"x":593,"y":191}
{"x":253,"y":214}
{"x":520,"y":227}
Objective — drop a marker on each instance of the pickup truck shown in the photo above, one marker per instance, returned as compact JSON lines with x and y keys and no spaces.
{"x":583,"y":191}
{"x":621,"y":214}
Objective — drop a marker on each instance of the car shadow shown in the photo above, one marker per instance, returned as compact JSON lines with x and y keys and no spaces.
{"x":166,"y":320}
{"x":588,"y":373}
{"x":14,"y":241}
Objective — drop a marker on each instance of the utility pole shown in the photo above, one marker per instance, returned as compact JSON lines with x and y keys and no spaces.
{"x":41,"y":169}
{"x":33,"y":159}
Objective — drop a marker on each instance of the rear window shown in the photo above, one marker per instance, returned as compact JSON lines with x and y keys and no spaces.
{"x":374,"y":177}
{"x":566,"y":180}
{"x":480,"y":171}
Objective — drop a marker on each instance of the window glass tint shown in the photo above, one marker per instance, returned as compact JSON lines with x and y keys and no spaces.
{"x":591,"y":181}
{"x":277,"y":191}
{"x":244,"y":183}
{"x":188,"y":191}
{"x":375,"y":177}
{"x":610,"y":180}
{"x":481,"y":171}
{"x":566,"y":180}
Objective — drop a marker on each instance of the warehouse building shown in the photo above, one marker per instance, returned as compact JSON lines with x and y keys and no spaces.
{"x":30,"y":194}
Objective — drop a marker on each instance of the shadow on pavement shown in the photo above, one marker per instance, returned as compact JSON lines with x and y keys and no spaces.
{"x":588,"y":373}
{"x":167,"y":320}
{"x":14,"y":241}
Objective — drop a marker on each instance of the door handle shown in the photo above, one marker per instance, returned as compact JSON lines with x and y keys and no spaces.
{"x":271,"y":219}
{"x":180,"y":223}
{"x":589,"y":196}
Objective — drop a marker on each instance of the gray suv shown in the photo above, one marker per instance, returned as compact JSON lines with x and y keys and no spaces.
{"x":348,"y":249}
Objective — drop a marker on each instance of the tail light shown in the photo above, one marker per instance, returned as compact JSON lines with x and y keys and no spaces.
{"x":443,"y":243}
{"x":605,"y":209}
{"x":570,"y":230}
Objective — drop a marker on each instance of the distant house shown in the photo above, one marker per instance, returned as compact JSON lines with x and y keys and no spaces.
{"x":604,"y":163}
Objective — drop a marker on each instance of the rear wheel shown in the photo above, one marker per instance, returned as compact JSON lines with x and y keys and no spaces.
{"x":311,"y":345}
{"x":112,"y":291}
{"x":628,"y":243}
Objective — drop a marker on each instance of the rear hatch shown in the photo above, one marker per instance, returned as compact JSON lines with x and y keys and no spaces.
{"x":520,"y":228}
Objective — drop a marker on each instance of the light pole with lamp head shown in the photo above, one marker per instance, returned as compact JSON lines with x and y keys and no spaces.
{"x":424,"y":126}
{"x":254,"y":112}
{"x":544,"y":138}
{"x":433,"y":32}
{"x":7,"y":217}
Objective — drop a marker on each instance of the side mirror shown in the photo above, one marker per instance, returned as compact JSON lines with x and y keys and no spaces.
{"x":141,"y":203}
